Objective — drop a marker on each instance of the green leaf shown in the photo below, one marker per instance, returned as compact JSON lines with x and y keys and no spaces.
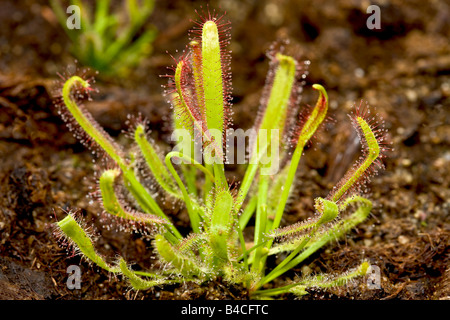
{"x":87,"y":123}
{"x":184,"y":264}
{"x":276,"y":110}
{"x":358,"y":173}
{"x":316,"y":117}
{"x":329,"y":281}
{"x":221,"y":222}
{"x":114,"y":207}
{"x":139,"y":283}
{"x":74,"y":232}
{"x":154,"y":163}
{"x":213,"y":86}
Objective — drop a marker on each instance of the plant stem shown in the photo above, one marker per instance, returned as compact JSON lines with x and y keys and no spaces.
{"x":285,"y":264}
{"x":193,"y":214}
{"x":246,"y":184}
{"x":248,"y":212}
{"x":261,"y":220}
{"x":288,"y":184}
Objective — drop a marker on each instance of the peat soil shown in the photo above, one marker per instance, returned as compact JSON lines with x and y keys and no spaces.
{"x":402,"y":70}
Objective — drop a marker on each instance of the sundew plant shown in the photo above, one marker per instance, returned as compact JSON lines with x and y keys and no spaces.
{"x":193,"y":175}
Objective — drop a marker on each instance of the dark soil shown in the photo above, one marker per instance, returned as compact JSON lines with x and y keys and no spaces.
{"x":402,"y":70}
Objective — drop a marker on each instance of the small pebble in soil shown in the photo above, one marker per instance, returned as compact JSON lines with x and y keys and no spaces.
{"x":406,"y":162}
{"x":403,"y":240}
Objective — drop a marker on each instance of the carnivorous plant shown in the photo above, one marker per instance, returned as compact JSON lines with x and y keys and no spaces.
{"x":193,"y":174}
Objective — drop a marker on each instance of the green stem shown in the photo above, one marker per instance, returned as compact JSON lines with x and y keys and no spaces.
{"x":193,"y":214}
{"x":288,"y":185}
{"x":261,"y":220}
{"x":146,"y":201}
{"x":248,"y":212}
{"x":287,"y":263}
{"x":208,"y":187}
{"x":189,"y":174}
{"x":219,"y":174}
{"x":246,"y":184}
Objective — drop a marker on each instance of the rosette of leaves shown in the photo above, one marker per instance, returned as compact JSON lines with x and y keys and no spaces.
{"x":200,"y":92}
